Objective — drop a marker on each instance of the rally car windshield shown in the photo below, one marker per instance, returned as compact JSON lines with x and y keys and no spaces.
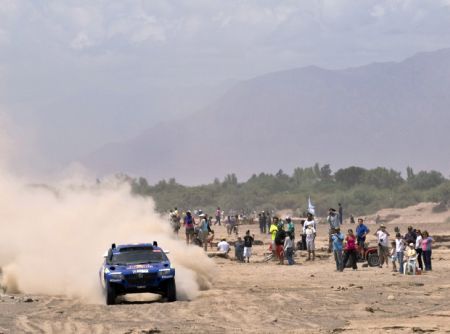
{"x":137,"y":257}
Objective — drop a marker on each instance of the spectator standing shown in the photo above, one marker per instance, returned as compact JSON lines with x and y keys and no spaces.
{"x":279,"y":242}
{"x":175,"y":221}
{"x":310,"y":244}
{"x":426,"y":250}
{"x":218,"y":216}
{"x":204,"y":230}
{"x":289,"y":248}
{"x":248,"y":243}
{"x":341,"y":213}
{"x":410,"y":236}
{"x":228,"y":225}
{"x":334,"y":223}
{"x":189,"y":223}
{"x":273,"y":233}
{"x":393,"y":255}
{"x":383,"y":245}
{"x":308,"y":222}
{"x":350,"y":250}
{"x":418,"y":245}
{"x":262,"y":222}
{"x":337,"y":239}
{"x":361,"y":233}
{"x":268,"y":221}
{"x":239,"y":250}
{"x":399,"y":251}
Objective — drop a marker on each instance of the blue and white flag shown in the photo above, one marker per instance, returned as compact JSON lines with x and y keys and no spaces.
{"x":311,"y":208}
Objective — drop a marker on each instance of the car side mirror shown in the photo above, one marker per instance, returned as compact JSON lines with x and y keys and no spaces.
{"x":166,"y":251}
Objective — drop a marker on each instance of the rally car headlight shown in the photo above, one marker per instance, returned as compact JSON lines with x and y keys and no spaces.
{"x":116,"y":276}
{"x":163,"y":272}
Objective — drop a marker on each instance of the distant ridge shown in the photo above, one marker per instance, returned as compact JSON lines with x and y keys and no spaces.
{"x":387,"y":114}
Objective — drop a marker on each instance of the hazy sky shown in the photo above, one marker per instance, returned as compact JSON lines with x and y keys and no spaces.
{"x":77,"y":74}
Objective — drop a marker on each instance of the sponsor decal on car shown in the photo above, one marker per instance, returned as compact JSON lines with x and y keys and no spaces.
{"x":140,"y":271}
{"x":140,"y":266}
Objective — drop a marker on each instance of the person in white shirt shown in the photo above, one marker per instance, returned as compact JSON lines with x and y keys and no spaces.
{"x":383,"y":245}
{"x":223,"y":246}
{"x":309,"y":221}
{"x":399,"y":250}
{"x":289,"y":248}
{"x":419,"y":248}
{"x":310,"y":246}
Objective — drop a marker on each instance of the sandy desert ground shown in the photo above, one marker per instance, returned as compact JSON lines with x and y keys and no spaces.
{"x":309,"y":297}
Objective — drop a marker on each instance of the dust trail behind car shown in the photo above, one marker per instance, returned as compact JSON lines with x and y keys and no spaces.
{"x":53,"y":237}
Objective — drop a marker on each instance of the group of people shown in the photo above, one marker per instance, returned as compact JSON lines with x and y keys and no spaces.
{"x":415,"y":245}
{"x":199,"y":233}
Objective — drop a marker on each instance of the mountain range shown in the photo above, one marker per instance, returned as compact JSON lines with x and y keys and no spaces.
{"x":393,"y":114}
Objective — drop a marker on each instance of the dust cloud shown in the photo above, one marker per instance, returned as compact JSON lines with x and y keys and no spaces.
{"x":53,"y":235}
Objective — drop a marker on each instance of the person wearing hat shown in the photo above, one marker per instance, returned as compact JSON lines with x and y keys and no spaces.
{"x":410,"y":251}
{"x":383,"y":245}
{"x":410,"y":257}
{"x":334,"y":223}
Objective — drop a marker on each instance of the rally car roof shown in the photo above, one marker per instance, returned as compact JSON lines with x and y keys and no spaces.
{"x":118,"y":248}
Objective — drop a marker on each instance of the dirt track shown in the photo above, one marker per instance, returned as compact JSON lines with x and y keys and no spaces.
{"x":264,"y":297}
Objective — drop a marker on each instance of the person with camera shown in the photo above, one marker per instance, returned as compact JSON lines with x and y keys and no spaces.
{"x":383,"y":245}
{"x":337,"y":239}
{"x":334,"y":222}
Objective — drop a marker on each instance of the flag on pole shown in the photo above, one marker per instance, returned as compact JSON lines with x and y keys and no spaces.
{"x":311,"y":208}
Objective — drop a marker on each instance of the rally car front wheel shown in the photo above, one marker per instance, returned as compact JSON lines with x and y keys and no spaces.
{"x":110,"y":295}
{"x":171,"y":290}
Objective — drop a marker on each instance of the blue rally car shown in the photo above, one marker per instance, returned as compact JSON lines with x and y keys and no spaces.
{"x":137,"y":268}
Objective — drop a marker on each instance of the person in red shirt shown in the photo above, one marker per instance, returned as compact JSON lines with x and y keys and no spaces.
{"x":350,"y":250}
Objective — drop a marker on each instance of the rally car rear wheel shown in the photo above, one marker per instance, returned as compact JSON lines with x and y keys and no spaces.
{"x":110,"y":295}
{"x":171,"y":290}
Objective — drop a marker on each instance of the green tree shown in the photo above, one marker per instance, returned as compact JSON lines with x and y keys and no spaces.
{"x":409,"y":173}
{"x":382,"y":178}
{"x":350,"y":176}
{"x":426,"y":180}
{"x":230,"y":179}
{"x":325,"y":173}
